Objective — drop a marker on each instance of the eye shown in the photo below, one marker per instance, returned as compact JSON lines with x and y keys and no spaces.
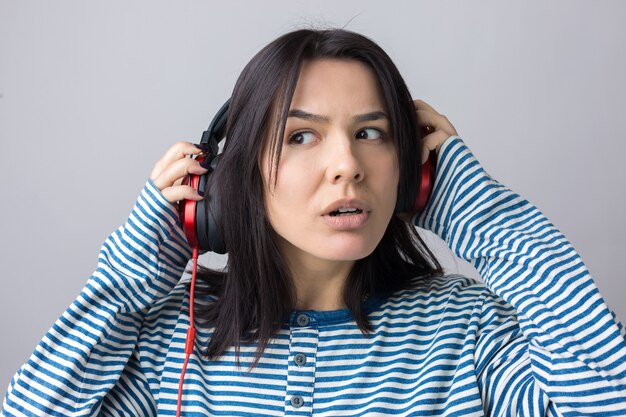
{"x":297,"y":138}
{"x":378,"y":134}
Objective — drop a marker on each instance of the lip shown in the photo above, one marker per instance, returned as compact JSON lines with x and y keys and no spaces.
{"x":347,"y":203}
{"x":351,"y":222}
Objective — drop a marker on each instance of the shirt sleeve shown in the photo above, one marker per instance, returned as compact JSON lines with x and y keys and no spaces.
{"x":83,"y":356}
{"x":567,"y":354}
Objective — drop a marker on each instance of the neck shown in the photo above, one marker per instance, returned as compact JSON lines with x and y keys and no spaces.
{"x":319,"y":284}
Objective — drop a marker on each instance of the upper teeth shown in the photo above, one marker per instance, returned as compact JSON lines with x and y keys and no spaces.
{"x":345,"y":210}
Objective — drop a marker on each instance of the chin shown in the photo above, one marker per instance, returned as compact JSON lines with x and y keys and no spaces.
{"x":348,"y":252}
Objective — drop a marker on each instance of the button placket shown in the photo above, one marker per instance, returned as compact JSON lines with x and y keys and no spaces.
{"x":303,"y":343}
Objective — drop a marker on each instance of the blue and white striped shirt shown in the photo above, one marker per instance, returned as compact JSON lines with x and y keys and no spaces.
{"x":535,"y":339}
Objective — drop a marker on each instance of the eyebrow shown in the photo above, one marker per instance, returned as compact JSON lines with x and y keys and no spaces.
{"x":367,"y":117}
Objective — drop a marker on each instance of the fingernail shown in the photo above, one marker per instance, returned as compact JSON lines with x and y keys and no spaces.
{"x":425,"y":154}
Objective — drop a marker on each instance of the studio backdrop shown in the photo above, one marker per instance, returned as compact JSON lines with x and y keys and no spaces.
{"x":93,"y":93}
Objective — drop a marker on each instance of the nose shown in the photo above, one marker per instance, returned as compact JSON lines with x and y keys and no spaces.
{"x":344,"y":164}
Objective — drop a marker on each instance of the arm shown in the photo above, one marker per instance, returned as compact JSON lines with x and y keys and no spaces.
{"x":84,"y":355}
{"x":571,"y":353}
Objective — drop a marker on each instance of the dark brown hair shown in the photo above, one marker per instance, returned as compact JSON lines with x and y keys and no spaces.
{"x":254,"y":295}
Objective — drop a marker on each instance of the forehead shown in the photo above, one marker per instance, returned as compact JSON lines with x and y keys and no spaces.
{"x":337,"y":86}
{"x":338,"y":89}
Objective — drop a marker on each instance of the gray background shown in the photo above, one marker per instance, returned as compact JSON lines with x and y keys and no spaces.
{"x":92,"y":94}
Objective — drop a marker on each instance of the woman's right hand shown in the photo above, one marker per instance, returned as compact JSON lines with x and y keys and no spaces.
{"x":436,"y":128}
{"x":169,"y":171}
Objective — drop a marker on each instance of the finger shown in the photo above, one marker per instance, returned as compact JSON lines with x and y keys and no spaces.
{"x":432,"y":142}
{"x":181,"y":192}
{"x":177,"y":170}
{"x":432,"y":117}
{"x":422,"y":105}
{"x":436,"y":121}
{"x":178,"y":151}
{"x":178,"y":181}
{"x":428,"y":118}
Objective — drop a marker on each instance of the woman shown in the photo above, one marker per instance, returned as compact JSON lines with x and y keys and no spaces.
{"x":330,"y":299}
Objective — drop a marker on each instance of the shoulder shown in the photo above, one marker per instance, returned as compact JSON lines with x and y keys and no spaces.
{"x":453,"y":302}
{"x":443,"y":285}
{"x":459,"y":294}
{"x":456,"y":291}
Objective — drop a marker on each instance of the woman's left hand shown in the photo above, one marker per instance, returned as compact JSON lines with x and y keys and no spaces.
{"x":436,"y":127}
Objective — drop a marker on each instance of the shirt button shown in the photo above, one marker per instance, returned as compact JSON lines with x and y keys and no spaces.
{"x":297,"y":401}
{"x":302,"y":320}
{"x":300,"y":359}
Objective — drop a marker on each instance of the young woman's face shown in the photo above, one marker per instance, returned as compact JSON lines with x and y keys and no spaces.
{"x":337,"y":154}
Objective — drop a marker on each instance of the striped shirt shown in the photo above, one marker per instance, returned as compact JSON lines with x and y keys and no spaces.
{"x":536,"y":338}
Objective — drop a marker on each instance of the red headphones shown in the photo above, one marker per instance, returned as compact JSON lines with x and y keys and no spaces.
{"x":200,"y":219}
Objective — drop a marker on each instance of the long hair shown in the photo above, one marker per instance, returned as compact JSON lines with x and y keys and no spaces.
{"x":254,"y":295}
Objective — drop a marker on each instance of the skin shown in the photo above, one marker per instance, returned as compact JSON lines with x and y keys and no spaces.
{"x":334,"y":160}
{"x":329,"y":161}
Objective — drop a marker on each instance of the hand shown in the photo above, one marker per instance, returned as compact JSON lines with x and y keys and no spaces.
{"x":171,"y":169}
{"x":436,"y":128}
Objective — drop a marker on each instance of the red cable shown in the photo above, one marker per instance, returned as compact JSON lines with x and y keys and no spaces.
{"x":191,"y":331}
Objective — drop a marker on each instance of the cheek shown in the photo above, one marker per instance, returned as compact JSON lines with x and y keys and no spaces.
{"x":295,"y":187}
{"x":387,"y":172}
{"x":290,"y":199}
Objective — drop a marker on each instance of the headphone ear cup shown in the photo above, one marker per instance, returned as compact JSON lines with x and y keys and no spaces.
{"x":417,"y":200}
{"x":201,"y":219}
{"x":427,"y":178}
{"x":212,"y":215}
{"x":205,"y":229}
{"x":187,"y":211}
{"x":201,"y":230}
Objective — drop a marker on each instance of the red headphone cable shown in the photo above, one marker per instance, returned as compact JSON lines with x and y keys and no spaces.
{"x":191,"y":331}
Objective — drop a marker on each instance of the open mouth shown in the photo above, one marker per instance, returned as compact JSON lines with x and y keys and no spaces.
{"x":345,"y":212}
